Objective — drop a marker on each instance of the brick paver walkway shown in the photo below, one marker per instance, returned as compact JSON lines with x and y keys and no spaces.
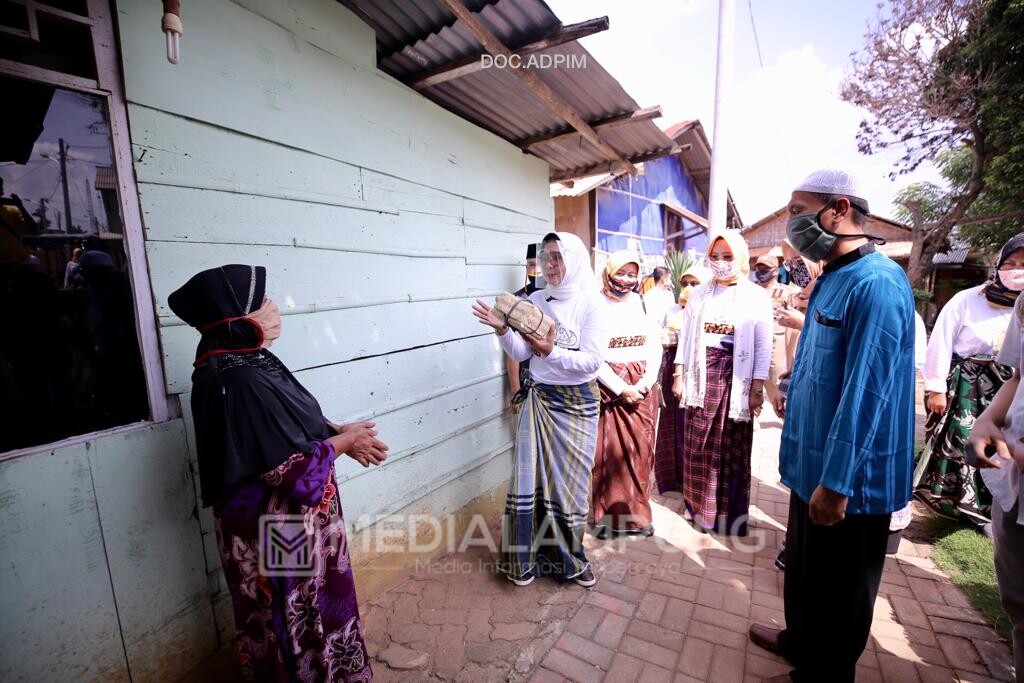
{"x":675,"y":607}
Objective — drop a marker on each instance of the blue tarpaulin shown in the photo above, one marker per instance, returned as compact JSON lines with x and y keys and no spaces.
{"x":630,"y":208}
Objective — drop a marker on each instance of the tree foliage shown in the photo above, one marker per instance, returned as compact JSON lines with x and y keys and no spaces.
{"x":992,"y":218}
{"x":677,"y":262}
{"x":941,"y":76}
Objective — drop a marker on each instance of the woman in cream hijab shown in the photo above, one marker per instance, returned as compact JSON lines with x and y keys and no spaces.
{"x":629,"y":405}
{"x":670,"y":447}
{"x":722,"y":362}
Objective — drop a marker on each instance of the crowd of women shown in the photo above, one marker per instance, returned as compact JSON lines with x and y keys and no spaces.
{"x":625,"y":391}
{"x":629,"y":391}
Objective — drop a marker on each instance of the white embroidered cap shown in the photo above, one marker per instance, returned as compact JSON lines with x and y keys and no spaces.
{"x":831,"y":181}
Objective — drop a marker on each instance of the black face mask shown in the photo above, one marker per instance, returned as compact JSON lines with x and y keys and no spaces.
{"x":813,"y":240}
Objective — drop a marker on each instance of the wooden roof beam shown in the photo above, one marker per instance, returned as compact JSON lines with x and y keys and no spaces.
{"x":472,"y":64}
{"x":645,"y":114}
{"x":537,"y":86}
{"x":608,"y":166}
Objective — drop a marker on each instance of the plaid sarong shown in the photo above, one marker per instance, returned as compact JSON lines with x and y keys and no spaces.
{"x":668,"y":454}
{"x":716,"y":471}
{"x":548,"y":498}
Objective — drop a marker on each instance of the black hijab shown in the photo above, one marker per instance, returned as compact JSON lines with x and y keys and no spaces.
{"x":250,"y":413}
{"x":995,"y":291}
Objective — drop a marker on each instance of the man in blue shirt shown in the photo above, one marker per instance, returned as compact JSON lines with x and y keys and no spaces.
{"x":847,"y":444}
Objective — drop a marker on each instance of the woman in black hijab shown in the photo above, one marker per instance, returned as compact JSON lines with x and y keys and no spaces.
{"x":961,"y":378}
{"x":266,"y":463}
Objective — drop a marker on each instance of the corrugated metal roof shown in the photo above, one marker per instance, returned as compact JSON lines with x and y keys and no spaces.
{"x":957,"y":253}
{"x":415,"y":38}
{"x":105,"y":178}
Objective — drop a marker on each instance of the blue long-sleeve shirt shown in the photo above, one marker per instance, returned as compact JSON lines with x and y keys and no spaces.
{"x":850,"y":411}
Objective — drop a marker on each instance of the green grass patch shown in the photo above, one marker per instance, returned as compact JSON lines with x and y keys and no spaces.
{"x":966,"y":555}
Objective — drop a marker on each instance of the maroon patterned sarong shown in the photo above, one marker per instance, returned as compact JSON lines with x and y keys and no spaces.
{"x":716,"y":471}
{"x":668,"y":452}
{"x":295,"y":620}
{"x":625,"y":456}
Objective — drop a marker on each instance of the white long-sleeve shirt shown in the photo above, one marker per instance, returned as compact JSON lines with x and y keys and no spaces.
{"x":633,"y":336}
{"x":920,"y":342}
{"x":968,"y":325}
{"x":723,"y":307}
{"x":580,"y":339}
{"x":658,"y":301}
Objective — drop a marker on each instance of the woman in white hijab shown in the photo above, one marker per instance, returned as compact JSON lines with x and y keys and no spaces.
{"x":549,"y":495}
{"x":630,"y":396}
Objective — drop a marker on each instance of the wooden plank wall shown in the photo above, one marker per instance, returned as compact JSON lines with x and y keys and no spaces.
{"x":103,"y":570}
{"x":378,"y":215}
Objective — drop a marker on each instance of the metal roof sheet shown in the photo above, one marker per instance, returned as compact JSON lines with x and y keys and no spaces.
{"x":415,"y":38}
{"x":957,"y":253}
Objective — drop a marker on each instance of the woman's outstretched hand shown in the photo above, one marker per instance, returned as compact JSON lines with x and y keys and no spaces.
{"x":486,"y":316}
{"x":359,"y":441}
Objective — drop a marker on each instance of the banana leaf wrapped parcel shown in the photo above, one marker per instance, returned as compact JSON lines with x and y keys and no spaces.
{"x":521,"y":315}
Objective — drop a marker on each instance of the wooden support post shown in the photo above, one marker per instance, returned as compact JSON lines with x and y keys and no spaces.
{"x":645,"y":114}
{"x":608,"y":166}
{"x":472,"y":64}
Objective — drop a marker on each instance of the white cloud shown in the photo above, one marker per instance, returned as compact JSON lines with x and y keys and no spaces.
{"x":788,"y":121}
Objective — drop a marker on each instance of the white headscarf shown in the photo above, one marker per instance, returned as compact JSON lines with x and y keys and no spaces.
{"x":579,"y":275}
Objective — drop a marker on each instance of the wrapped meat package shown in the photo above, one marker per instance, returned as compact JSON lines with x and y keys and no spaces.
{"x":522,"y":316}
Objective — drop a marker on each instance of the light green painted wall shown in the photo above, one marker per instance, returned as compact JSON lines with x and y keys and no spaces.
{"x":103,"y":565}
{"x":379,"y":216}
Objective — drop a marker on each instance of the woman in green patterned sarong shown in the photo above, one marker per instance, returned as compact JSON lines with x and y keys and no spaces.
{"x":961,"y":377}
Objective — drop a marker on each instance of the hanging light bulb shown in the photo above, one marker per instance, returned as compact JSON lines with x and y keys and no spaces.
{"x":173,"y":28}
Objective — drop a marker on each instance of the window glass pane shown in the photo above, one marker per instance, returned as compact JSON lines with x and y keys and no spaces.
{"x":61,"y":44}
{"x":69,"y":355}
{"x":73,"y":6}
{"x":14,"y":17}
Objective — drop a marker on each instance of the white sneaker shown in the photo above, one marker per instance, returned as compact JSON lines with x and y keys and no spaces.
{"x":525,"y":581}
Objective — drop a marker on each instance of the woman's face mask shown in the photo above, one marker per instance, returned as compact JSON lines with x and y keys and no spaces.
{"x":798,"y":273}
{"x":724,"y":270}
{"x":268,"y":318}
{"x":1012,"y":279}
{"x":623,"y":281}
{"x":763,"y":277}
{"x":685,"y":290}
{"x":532,"y":271}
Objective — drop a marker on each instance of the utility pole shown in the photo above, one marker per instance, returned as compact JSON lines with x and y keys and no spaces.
{"x":64,"y":181}
{"x":718,"y":210}
{"x":42,"y":220}
{"x":93,"y":223}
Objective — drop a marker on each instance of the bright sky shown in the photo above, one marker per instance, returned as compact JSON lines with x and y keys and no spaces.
{"x":787,"y":117}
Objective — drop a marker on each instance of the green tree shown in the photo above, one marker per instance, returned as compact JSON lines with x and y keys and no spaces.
{"x":992,"y":218}
{"x":946,"y":75}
